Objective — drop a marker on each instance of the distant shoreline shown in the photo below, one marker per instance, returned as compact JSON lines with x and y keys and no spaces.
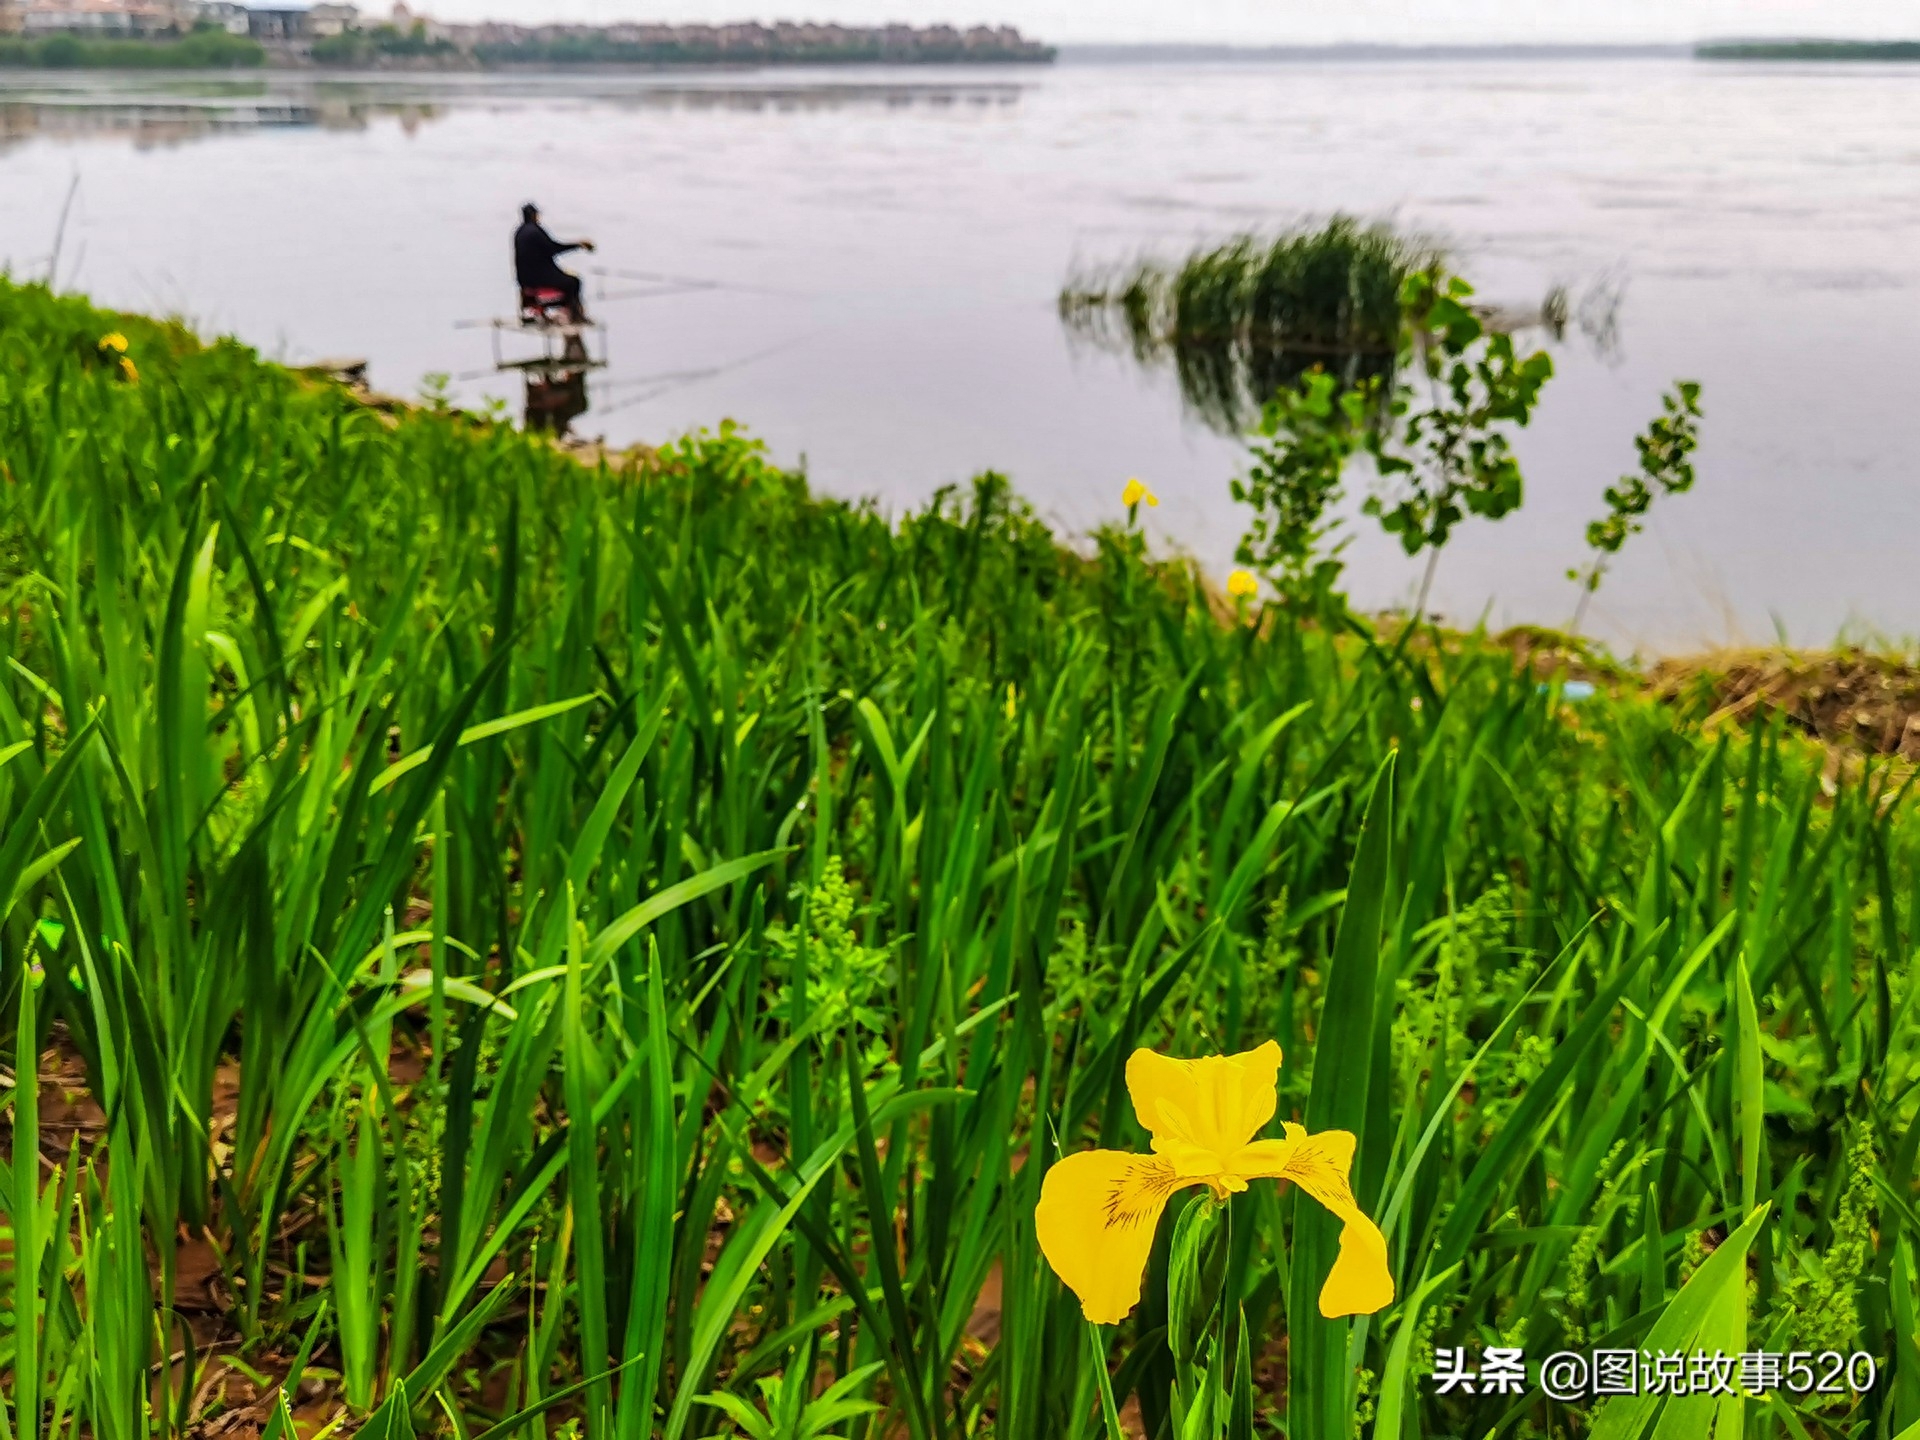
{"x":1731,"y":49}
{"x":580,"y":49}
{"x":426,"y":45}
{"x":1820,"y":50}
{"x":357,"y":52}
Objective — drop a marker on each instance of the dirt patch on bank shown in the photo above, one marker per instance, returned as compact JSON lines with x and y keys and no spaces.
{"x":1854,"y":701}
{"x":1866,"y":702}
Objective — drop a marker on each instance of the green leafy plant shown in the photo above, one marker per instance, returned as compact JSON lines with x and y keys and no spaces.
{"x":1666,"y":468}
{"x":1452,"y":456}
{"x":1307,"y":435}
{"x":1438,"y":436}
{"x":788,"y":1409}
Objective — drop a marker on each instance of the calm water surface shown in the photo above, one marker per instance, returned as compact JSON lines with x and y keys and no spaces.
{"x":877,"y":252}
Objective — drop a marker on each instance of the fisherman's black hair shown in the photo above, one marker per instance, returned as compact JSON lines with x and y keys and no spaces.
{"x":528,"y":211}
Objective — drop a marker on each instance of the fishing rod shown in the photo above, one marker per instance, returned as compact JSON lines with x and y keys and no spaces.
{"x":690,"y":282}
{"x":604,"y":296}
{"x":601,"y":297}
{"x":675,"y":381}
{"x":671,"y":376}
{"x":619,"y":273}
{"x":663,"y":381}
{"x":662,"y":283}
{"x":60,"y":230}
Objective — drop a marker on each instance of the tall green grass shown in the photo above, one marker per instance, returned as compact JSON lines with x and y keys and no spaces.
{"x":614,"y":953}
{"x":1245,"y":318}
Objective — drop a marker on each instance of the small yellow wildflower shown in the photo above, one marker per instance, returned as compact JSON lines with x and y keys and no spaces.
{"x":1242,"y":586}
{"x":1098,"y":1209}
{"x":115,"y":342}
{"x":1013,"y":700}
{"x":127,"y":369}
{"x":1136,"y":492}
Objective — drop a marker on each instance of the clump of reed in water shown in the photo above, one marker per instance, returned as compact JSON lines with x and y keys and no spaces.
{"x":1242,"y":319}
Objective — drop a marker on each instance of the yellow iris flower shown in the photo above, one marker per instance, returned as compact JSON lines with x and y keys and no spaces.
{"x":115,"y":342}
{"x":1136,"y":492}
{"x":1242,"y":586}
{"x":127,"y":369}
{"x":1098,"y":1209}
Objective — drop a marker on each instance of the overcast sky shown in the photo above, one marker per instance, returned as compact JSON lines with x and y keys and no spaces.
{"x":1269,"y":22}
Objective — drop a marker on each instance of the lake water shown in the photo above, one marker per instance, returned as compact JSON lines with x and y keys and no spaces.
{"x":877,"y":254}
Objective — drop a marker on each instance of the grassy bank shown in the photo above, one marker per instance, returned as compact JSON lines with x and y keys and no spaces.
{"x":504,"y":936}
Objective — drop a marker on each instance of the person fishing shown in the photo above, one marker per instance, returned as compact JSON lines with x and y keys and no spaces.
{"x":534,"y":251}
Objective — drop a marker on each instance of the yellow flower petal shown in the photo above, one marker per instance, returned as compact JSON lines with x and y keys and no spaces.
{"x":1360,"y":1282}
{"x":1096,"y":1219}
{"x":126,"y":369}
{"x":1136,"y":492}
{"x":1201,"y":1112}
{"x":1241,"y":585}
{"x":114,"y":341}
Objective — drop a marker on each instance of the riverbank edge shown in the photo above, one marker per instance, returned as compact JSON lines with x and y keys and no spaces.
{"x":1856,"y":701}
{"x":1862,"y":704}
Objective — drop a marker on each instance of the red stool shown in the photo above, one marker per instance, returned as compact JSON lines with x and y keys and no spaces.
{"x":544,"y":306}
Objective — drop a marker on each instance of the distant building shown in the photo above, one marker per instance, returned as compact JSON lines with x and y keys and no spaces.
{"x":406,"y":20}
{"x":330,"y":17}
{"x":98,"y":18}
{"x":225,"y":15}
{"x":277,"y":20}
{"x":12,"y":22}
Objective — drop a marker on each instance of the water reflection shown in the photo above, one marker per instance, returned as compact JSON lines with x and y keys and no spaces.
{"x":1244,"y":318}
{"x":161,"y":120}
{"x":779,"y":99}
{"x":156,"y":112}
{"x":555,"y":373}
{"x":1241,"y":321}
{"x":1224,"y":380}
{"x":555,"y":399}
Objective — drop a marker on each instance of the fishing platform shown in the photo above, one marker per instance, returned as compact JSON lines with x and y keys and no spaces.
{"x":566,"y":345}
